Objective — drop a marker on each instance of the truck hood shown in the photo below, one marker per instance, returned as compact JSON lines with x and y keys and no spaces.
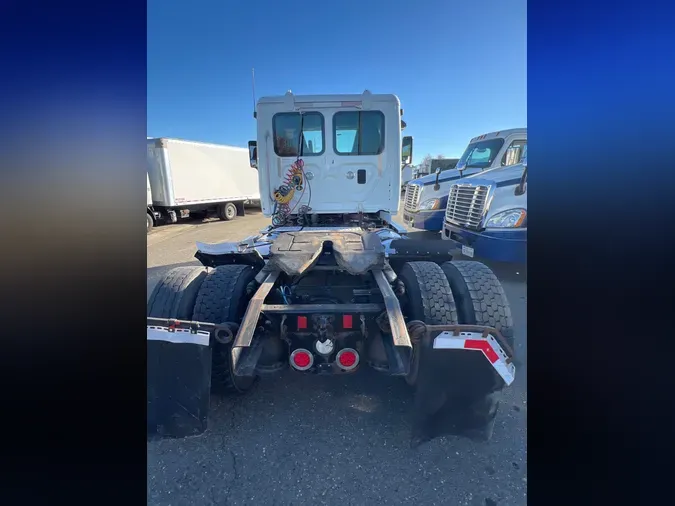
{"x":499,"y":174}
{"x":431,"y":178}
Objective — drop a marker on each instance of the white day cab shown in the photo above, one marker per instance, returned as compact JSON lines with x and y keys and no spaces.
{"x":189,"y":177}
{"x":333,"y":285}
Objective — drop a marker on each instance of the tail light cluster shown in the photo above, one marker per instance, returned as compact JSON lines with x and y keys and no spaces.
{"x":346,"y":359}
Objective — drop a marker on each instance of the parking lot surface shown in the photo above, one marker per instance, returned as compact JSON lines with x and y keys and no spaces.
{"x":297,"y":439}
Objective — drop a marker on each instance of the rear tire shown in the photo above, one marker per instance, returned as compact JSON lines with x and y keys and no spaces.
{"x":480,"y":297}
{"x":223,"y":297}
{"x":429,"y":299}
{"x":175,"y":295}
{"x":481,"y":300}
{"x":170,"y":410}
{"x":227,"y":211}
{"x":459,"y":398}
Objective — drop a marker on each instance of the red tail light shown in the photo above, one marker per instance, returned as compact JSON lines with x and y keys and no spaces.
{"x":347,"y":321}
{"x":347,"y":359}
{"x":302,"y":322}
{"x":302,"y":359}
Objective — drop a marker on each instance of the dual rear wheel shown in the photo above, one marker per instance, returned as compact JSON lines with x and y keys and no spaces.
{"x":458,"y":292}
{"x":215,"y":296}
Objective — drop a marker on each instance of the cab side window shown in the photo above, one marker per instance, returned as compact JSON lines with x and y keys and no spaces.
{"x":514,"y":153}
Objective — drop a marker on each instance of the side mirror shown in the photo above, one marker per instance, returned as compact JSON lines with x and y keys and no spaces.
{"x":407,"y":150}
{"x":438,"y":174}
{"x":253,"y":154}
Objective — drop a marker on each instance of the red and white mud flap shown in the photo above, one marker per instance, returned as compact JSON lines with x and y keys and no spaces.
{"x":459,"y":379}
{"x":178,"y":381}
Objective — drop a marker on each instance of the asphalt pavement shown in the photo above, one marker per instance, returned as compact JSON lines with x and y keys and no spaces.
{"x":344,"y":440}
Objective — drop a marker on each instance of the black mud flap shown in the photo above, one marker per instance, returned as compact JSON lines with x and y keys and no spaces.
{"x":178,"y":389}
{"x":456,"y":394}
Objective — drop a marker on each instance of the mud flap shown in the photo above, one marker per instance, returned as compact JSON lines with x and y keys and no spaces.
{"x":457,"y":388}
{"x":178,"y":385}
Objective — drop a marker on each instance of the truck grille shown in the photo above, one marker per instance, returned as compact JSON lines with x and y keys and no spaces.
{"x":412,"y":196}
{"x":466,"y":205}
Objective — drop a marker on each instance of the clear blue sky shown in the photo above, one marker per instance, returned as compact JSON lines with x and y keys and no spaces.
{"x":458,"y":66}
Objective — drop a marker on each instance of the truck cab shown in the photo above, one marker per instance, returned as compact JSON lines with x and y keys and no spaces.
{"x":486,"y":214}
{"x":426,"y":198}
{"x":320,"y":157}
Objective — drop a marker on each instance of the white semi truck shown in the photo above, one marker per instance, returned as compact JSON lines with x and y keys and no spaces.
{"x":333,"y":285}
{"x":486,"y":214}
{"x":426,"y":198}
{"x":195,"y":177}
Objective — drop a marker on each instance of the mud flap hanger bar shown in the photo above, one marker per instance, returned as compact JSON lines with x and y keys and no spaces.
{"x":184,"y":331}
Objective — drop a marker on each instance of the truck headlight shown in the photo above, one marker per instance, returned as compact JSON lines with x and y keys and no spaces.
{"x":430,"y":205}
{"x":512,"y":218}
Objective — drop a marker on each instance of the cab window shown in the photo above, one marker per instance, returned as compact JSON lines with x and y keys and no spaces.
{"x":515,"y":152}
{"x":286,"y":129}
{"x":481,"y":154}
{"x":358,"y":132}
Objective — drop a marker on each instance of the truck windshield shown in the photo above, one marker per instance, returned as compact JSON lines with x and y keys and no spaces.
{"x":481,"y":154}
{"x":443,"y":164}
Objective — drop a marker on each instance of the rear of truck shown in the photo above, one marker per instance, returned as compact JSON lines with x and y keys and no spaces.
{"x":333,"y":285}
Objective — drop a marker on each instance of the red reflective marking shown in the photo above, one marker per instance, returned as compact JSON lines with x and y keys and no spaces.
{"x":476,"y":344}
{"x":302,"y":322}
{"x":347,"y":321}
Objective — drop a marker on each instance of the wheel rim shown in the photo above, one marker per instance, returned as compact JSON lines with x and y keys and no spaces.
{"x":148,"y":221}
{"x":230,"y":211}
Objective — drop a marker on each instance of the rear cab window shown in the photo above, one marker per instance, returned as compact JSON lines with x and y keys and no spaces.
{"x":286,"y":130}
{"x":358,"y":133}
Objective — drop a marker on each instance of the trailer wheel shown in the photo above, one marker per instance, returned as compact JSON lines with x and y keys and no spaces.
{"x":177,"y":375}
{"x":223,"y":297}
{"x":429,"y":299}
{"x":227,"y":211}
{"x":150,"y":222}
{"x":480,"y":297}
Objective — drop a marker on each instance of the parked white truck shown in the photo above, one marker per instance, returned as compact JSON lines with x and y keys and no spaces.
{"x":195,"y":177}
{"x":426,"y":198}
{"x":486,"y":214}
{"x":149,"y":211}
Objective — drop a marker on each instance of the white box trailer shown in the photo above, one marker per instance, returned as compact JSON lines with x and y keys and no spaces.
{"x":195,"y":177}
